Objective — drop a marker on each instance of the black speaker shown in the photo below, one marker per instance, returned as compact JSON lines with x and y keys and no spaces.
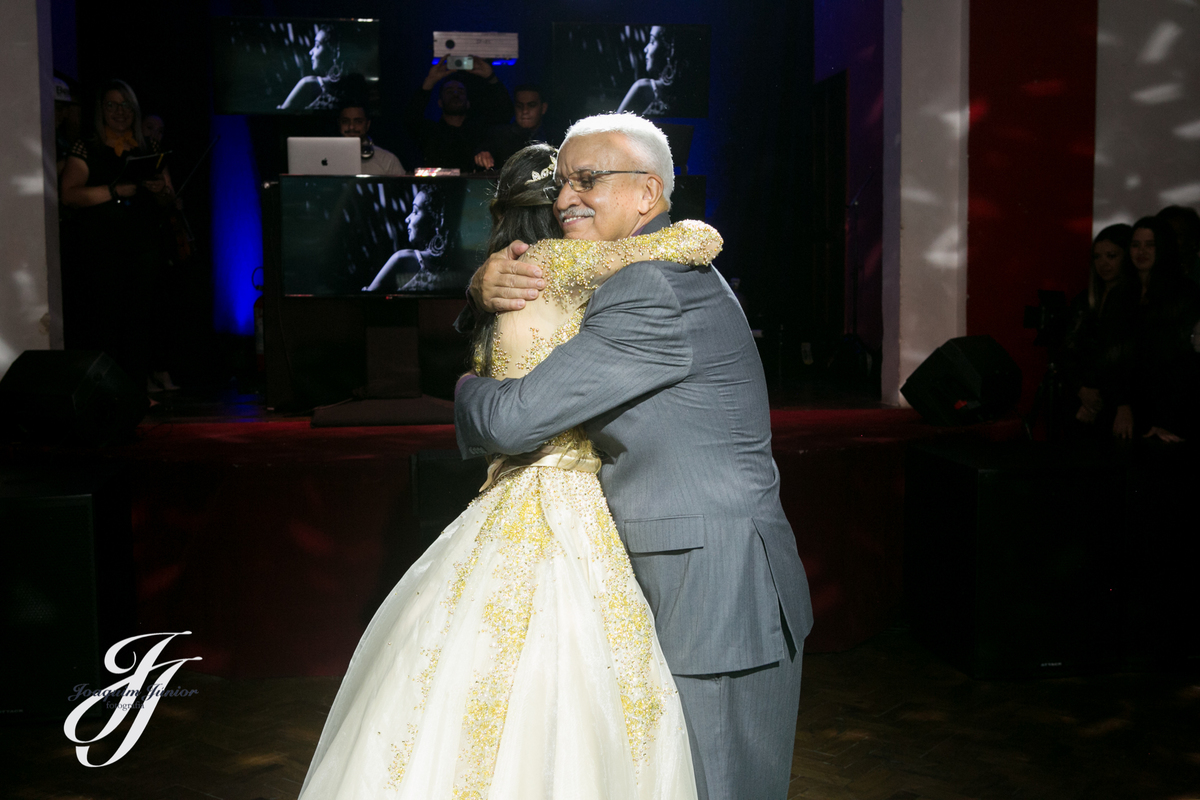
{"x":67,"y":589}
{"x":969,"y":379}
{"x":1012,"y":563}
{"x":70,"y":396}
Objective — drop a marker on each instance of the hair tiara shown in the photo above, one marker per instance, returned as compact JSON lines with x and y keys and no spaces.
{"x":547,"y":172}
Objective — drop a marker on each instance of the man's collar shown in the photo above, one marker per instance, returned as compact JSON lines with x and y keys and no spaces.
{"x":655,"y":224}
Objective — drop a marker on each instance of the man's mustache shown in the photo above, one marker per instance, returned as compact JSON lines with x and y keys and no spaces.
{"x":570,"y":213}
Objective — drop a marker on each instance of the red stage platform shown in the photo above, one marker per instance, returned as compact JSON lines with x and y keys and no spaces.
{"x":273,"y":542}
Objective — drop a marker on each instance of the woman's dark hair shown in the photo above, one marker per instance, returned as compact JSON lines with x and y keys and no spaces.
{"x":1166,"y":254}
{"x":1119,"y":235}
{"x":126,"y":92}
{"x":334,"y":43}
{"x":435,"y":211}
{"x":523,"y":209}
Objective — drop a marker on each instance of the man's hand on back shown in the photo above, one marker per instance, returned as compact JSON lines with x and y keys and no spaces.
{"x":504,"y":284}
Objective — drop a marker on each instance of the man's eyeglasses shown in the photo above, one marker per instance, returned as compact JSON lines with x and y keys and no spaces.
{"x":112,"y":105}
{"x":584,"y":180}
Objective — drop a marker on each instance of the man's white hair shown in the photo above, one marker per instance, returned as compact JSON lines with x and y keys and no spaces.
{"x":647,"y":143}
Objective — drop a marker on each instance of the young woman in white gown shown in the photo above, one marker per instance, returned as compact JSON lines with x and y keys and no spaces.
{"x":517,"y":657}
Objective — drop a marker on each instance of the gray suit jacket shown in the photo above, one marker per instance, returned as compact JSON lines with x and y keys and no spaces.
{"x":665,"y":377}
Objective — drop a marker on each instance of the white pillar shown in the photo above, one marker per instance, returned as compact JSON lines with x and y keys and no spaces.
{"x":926,"y":99}
{"x":30,"y":294}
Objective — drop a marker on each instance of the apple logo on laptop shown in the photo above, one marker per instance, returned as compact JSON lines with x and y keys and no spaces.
{"x":324,"y":162}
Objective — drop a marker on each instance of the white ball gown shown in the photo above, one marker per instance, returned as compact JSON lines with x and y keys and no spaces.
{"x":517,"y":657}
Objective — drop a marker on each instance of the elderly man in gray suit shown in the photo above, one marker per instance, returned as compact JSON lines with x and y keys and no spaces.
{"x":666,"y":380}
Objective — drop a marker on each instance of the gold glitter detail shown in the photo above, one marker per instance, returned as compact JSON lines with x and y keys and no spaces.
{"x":400,"y":758}
{"x":573,"y":268}
{"x":525,"y":540}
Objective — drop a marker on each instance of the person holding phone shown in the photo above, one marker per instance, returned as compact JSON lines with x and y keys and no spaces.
{"x":470,"y":101}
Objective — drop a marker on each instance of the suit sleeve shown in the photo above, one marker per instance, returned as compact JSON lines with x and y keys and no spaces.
{"x":631,"y":343}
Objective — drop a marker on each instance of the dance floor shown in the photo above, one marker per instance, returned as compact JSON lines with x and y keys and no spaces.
{"x":273,"y":541}
{"x":885,"y":720}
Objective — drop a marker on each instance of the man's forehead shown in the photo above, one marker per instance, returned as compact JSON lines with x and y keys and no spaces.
{"x":528,"y":96}
{"x":593,"y":151}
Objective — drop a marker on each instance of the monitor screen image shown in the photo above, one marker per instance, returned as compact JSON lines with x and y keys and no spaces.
{"x":650,"y":70}
{"x":346,"y":236}
{"x":293,"y":66}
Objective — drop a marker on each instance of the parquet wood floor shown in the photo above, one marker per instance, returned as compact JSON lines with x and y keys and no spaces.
{"x":885,"y":721}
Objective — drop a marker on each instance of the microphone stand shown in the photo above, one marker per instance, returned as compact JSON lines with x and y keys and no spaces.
{"x":179,"y":192}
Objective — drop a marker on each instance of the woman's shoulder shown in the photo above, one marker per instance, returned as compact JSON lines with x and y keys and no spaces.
{"x":85,"y":149}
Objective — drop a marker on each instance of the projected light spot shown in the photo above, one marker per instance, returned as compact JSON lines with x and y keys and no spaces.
{"x":1133,"y":181}
{"x":1158,"y":47}
{"x":943,"y":253}
{"x":1181,"y":195}
{"x":1153,"y":95}
{"x":1190,"y":131}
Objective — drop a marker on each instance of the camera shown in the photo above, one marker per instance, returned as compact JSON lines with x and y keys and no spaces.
{"x":460,"y":62}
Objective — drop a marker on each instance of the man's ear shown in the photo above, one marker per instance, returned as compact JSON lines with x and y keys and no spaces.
{"x":651,"y":194}
{"x":544,"y":107}
{"x":367,"y":126}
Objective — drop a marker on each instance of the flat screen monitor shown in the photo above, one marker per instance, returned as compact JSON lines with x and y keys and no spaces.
{"x":651,"y":70}
{"x":293,"y":66}
{"x":351,"y":236}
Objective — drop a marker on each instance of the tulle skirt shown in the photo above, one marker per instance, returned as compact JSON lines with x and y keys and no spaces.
{"x":516,"y":659}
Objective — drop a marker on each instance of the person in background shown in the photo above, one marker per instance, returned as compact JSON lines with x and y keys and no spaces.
{"x":502,"y":141}
{"x":112,"y":244}
{"x":452,"y":140}
{"x":354,"y":122}
{"x":152,"y":129}
{"x":1186,"y":224}
{"x":1098,"y":347}
{"x":66,"y":122}
{"x":1168,"y":306}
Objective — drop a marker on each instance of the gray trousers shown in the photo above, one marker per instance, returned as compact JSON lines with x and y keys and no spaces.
{"x":742,"y":727}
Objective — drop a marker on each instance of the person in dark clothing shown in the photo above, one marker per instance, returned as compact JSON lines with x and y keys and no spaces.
{"x":452,"y":141}
{"x":501,"y":142}
{"x":1186,"y":224}
{"x":1098,"y":347}
{"x":1168,"y":307}
{"x":112,"y":243}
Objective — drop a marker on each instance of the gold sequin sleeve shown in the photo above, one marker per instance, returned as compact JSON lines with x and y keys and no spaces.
{"x":574,"y":268}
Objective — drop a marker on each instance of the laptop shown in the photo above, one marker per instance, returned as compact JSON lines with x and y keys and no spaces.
{"x":324,"y":155}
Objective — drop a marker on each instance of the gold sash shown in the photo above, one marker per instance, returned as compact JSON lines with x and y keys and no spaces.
{"x":546,"y":456}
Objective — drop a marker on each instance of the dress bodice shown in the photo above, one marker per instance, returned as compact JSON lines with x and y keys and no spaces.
{"x":573,"y":269}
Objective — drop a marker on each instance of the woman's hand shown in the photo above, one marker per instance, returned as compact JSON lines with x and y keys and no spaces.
{"x":1123,"y":424}
{"x":125,"y":189}
{"x":1162,"y":433}
{"x":1091,"y":399}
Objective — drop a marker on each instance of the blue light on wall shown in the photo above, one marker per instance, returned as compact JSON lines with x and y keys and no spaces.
{"x":236,"y":226}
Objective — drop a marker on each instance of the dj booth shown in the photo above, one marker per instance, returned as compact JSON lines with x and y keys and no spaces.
{"x":363,"y":278}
